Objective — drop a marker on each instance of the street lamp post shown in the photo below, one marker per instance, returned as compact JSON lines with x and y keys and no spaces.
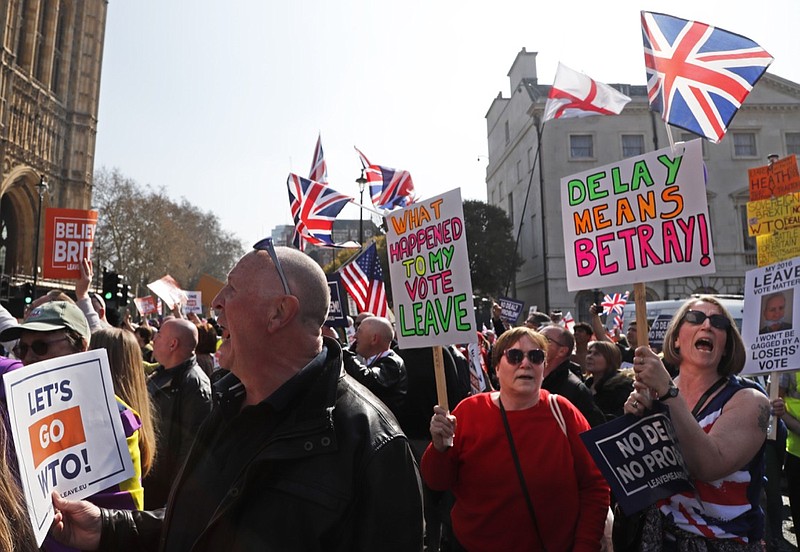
{"x":362,"y":182}
{"x":42,"y":188}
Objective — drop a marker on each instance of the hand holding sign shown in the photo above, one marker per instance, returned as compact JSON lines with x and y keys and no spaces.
{"x":443,"y":428}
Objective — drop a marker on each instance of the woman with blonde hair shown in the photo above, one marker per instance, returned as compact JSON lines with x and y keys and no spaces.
{"x":16,"y":532}
{"x":125,"y":360}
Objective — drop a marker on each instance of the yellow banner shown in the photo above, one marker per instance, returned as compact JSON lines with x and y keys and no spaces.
{"x":777,"y":247}
{"x":770,"y":215}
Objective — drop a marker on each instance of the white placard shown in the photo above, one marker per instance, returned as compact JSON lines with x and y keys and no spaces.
{"x":772,"y":317}
{"x":429,"y":264}
{"x":67,"y":431}
{"x":642,"y":219}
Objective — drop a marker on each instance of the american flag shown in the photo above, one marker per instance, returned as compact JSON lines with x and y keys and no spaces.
{"x":698,"y":75}
{"x":389,"y":188}
{"x":363,"y":280}
{"x":614,"y":303}
{"x":314,"y":208}
{"x":574,"y":94}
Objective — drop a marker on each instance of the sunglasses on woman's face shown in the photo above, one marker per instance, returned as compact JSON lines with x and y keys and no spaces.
{"x":696,"y":318}
{"x":38,"y":346}
{"x":515,"y":356}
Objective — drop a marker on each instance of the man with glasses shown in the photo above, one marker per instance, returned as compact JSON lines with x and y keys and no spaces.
{"x":559,"y":376}
{"x":295,"y":455}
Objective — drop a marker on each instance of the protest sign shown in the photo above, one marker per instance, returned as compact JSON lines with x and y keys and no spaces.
{"x":778,"y":246}
{"x":68,"y":239}
{"x":67,"y":431}
{"x":145,"y":305}
{"x":657,"y":331}
{"x":773,"y":215}
{"x":780,"y":178}
{"x":510,"y":309}
{"x":640,"y":219}
{"x":194,"y":302}
{"x":772,"y":317}
{"x":168,"y":290}
{"x":337,"y":311}
{"x":639,"y":458}
{"x":429,"y":265}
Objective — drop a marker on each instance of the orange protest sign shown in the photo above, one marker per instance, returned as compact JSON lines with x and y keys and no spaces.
{"x":68,"y":239}
{"x":55,"y":433}
{"x":782,"y":177}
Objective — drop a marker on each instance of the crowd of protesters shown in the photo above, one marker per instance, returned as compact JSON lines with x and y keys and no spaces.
{"x":266,"y":429}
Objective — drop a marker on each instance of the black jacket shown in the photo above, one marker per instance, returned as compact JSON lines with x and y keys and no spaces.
{"x":182,"y":400}
{"x":562,"y":381}
{"x":336,"y":473}
{"x":612,"y":391}
{"x":386,"y":377}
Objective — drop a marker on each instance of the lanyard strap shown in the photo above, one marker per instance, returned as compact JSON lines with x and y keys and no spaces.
{"x":520,"y":475}
{"x":710,"y":391}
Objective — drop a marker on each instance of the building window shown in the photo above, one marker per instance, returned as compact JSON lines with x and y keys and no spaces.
{"x":511,"y":207}
{"x":749,"y":241}
{"x":744,"y":144}
{"x":508,"y":133}
{"x":519,"y":171}
{"x":632,"y":144}
{"x":530,"y":159}
{"x":792,"y":143}
{"x":581,"y":146}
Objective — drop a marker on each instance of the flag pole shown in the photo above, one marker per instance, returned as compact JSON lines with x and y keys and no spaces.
{"x":370,"y":209}
{"x":539,"y":132}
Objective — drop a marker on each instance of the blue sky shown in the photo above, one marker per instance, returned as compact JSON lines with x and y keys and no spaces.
{"x":218,"y":101}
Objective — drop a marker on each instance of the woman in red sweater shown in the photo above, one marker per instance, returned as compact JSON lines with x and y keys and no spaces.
{"x":567,"y":498}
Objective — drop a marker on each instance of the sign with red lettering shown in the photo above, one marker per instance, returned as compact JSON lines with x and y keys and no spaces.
{"x":641,"y":219}
{"x":68,"y":239}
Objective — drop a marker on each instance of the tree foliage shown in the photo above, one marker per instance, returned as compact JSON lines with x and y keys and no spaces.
{"x":143,"y":234}
{"x":492,"y":257}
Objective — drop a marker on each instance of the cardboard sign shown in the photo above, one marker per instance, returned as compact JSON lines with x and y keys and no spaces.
{"x":68,"y":239}
{"x":67,"y":431}
{"x":168,"y":290}
{"x":776,"y":180}
{"x":429,"y":264}
{"x":639,"y":458}
{"x":773,"y":215}
{"x":771,"y":318}
{"x":145,"y":305}
{"x":778,"y":246}
{"x":641,"y":219}
{"x":510,"y":309}
{"x":194,"y":302}
{"x":337,"y":311}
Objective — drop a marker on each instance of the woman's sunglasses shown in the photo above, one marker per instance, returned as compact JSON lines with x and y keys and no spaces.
{"x":39,"y":347}
{"x":696,"y":318}
{"x":515,"y":356}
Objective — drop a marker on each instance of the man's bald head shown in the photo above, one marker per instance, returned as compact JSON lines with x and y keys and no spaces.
{"x":308,"y":283}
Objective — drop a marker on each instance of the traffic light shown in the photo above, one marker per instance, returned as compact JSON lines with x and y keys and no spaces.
{"x":125,"y":293}
{"x":112,"y":286}
{"x":27,"y":293}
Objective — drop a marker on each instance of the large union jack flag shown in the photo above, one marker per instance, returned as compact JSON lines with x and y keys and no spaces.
{"x":363,"y":280}
{"x":314,"y":208}
{"x":318,"y":173}
{"x":614,"y":303}
{"x":698,"y":75}
{"x":389,"y":188}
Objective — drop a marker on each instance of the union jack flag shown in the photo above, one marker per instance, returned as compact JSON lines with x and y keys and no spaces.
{"x":389,"y":188}
{"x":314,"y":208}
{"x":698,"y":75}
{"x":614,"y":303}
{"x":619,"y":321}
{"x":363,"y":280}
{"x":318,"y":173}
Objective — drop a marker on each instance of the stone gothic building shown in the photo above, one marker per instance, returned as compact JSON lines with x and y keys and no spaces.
{"x":767,"y":123}
{"x":51,"y":54}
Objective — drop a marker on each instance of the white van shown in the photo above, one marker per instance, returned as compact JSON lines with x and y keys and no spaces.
{"x":734,"y":304}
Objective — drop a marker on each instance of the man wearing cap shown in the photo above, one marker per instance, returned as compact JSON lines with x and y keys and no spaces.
{"x":296,"y":455}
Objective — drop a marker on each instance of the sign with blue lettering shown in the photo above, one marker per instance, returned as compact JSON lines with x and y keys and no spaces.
{"x":337,"y":312}
{"x":639,"y":457}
